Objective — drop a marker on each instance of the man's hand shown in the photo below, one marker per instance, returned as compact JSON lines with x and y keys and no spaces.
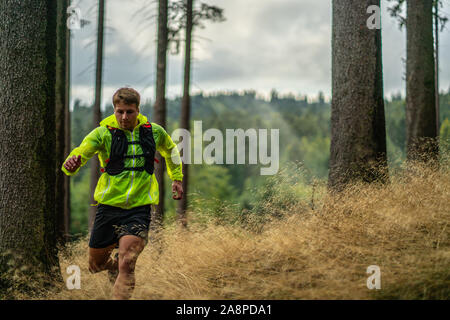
{"x":73,"y":163}
{"x":177,"y":187}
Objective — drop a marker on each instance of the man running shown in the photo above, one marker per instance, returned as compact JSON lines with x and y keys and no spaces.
{"x":126,"y":143}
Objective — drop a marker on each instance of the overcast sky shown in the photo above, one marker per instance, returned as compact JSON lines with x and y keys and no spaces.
{"x":262,"y":45}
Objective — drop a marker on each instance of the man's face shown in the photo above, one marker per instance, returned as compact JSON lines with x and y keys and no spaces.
{"x":126,"y":115}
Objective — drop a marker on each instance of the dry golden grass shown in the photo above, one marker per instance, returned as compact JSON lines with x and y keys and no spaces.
{"x":402,"y":227}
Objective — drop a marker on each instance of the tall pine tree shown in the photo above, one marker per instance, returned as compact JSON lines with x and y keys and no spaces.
{"x":28,"y":224}
{"x":97,"y":114}
{"x":421,"y":132}
{"x":159,"y":109}
{"x":62,"y":106}
{"x":358,"y":134}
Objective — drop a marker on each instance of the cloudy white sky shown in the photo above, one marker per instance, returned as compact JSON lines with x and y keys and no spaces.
{"x":262,"y":45}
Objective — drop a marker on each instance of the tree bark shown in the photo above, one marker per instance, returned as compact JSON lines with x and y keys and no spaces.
{"x":421,"y":130}
{"x":358,"y":135}
{"x":436,"y":58}
{"x":159,"y":109}
{"x":67,"y":138}
{"x":60,"y":113}
{"x":97,"y":114}
{"x":28,"y":224}
{"x":186,"y":107}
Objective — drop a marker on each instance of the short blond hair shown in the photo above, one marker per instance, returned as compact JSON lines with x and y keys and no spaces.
{"x":127,"y":96}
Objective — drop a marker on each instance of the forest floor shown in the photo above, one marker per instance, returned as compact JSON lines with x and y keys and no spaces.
{"x":305,"y":253}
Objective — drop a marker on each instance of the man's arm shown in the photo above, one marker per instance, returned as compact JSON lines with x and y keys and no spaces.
{"x":168,"y":149}
{"x":90,"y":145}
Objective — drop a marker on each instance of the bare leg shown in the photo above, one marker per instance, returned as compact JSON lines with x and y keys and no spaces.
{"x":100,"y":259}
{"x":129,"y":249}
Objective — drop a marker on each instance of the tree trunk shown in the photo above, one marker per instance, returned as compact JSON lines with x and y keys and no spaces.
{"x":159,"y":110}
{"x":186,"y":107}
{"x":358,"y":135}
{"x":28,"y":224}
{"x":436,"y":56}
{"x":420,"y":83}
{"x":97,"y":114}
{"x":67,"y":137}
{"x":61,"y":105}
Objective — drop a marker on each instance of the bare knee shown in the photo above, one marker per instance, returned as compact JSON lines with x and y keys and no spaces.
{"x":129,"y":249}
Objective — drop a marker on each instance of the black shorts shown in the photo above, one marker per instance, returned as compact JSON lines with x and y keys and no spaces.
{"x":111,"y":223}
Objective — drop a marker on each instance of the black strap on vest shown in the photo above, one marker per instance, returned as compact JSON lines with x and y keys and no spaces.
{"x":119,"y":148}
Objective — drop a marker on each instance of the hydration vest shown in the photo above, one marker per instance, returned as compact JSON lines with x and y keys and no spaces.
{"x":119,"y":148}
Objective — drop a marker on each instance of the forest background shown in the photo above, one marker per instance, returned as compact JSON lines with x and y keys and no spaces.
{"x":304,"y":125}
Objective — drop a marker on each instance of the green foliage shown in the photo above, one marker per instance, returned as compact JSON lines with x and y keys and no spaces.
{"x":315,"y":155}
{"x":445,"y":140}
{"x":395,"y":131}
{"x":79,"y":202}
{"x":445,"y":130}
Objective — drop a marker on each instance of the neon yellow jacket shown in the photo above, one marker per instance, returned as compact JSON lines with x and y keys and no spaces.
{"x":128,"y":189}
